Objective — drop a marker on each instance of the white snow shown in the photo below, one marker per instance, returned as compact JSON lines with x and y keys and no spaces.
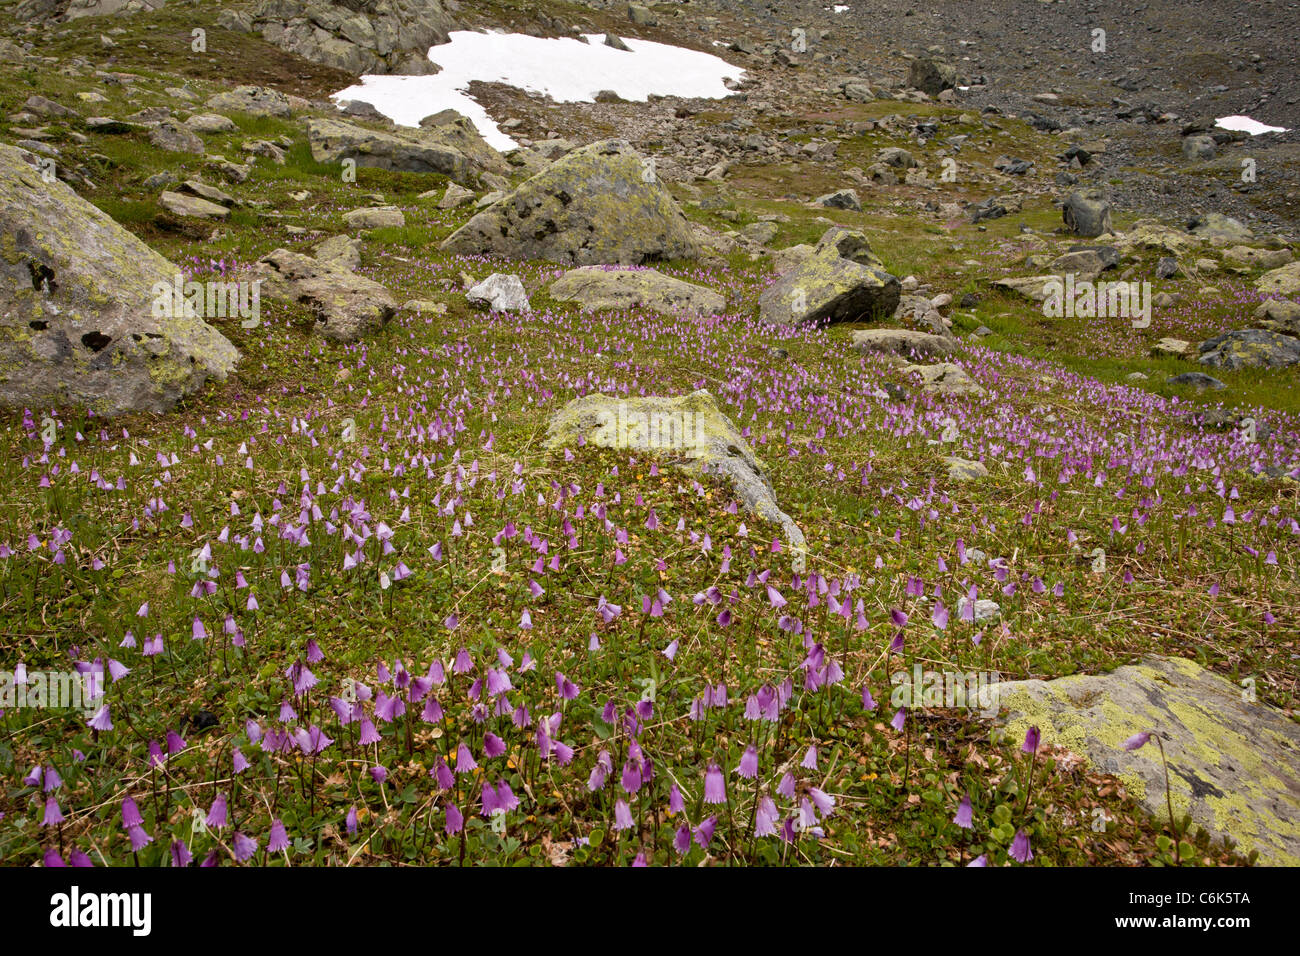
{"x":1245,"y":124}
{"x":840,"y":8}
{"x":567,"y":70}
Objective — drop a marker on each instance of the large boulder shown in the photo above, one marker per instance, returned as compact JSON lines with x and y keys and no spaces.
{"x":602,"y":204}
{"x":596,"y":288}
{"x":931,"y":76}
{"x":689,"y":431}
{"x":1234,"y":763}
{"x":841,"y":281}
{"x":1087,"y":212}
{"x":1250,"y":348}
{"x":346,"y":306}
{"x":88,"y":313}
{"x":454,"y":149}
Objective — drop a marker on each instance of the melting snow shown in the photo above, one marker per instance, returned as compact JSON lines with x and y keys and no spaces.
{"x":1247,"y":125}
{"x":567,"y":70}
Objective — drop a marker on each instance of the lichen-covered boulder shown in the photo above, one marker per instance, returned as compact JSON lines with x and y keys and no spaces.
{"x":1282,"y":281}
{"x":1234,"y":762}
{"x":602,"y":204}
{"x":346,"y":306}
{"x":85,"y":315}
{"x":1250,"y":348}
{"x":596,"y":288}
{"x":455,"y":149}
{"x":689,"y":431}
{"x":841,"y":281}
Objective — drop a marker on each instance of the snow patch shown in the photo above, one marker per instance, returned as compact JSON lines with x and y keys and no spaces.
{"x":1245,"y":124}
{"x":567,"y":70}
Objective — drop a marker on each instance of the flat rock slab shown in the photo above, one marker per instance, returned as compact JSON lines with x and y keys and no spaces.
{"x":1234,"y":764}
{"x":905,"y":342}
{"x":192,"y":207}
{"x":689,"y":431}
{"x":597,"y":288}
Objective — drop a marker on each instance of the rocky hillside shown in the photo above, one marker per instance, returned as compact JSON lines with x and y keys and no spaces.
{"x":893,"y":460}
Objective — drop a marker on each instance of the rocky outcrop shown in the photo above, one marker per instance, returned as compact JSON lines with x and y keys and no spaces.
{"x":689,"y":431}
{"x":346,"y":306}
{"x":88,"y":314}
{"x":359,"y":36}
{"x":596,"y":288}
{"x":455,"y":149}
{"x":841,"y":281}
{"x":1233,"y":762}
{"x":602,"y":204}
{"x":1282,"y":281}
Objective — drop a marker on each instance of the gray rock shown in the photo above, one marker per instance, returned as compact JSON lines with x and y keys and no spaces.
{"x":1250,"y":348}
{"x":1086,"y":261}
{"x":455,"y":196}
{"x":192,"y":207}
{"x":1087,"y":212}
{"x":1232,"y":760}
{"x":842,"y":281}
{"x":88,"y":313}
{"x":375,"y":217}
{"x":602,"y":204}
{"x":1279,"y":315}
{"x":499,"y":292}
{"x":211,"y":123}
{"x":346,"y":306}
{"x":945,"y":378}
{"x":1198,"y":147}
{"x":1197,"y":380}
{"x":455,"y":149}
{"x":931,"y":76}
{"x":690,"y":432}
{"x":596,"y":288}
{"x":254,"y":100}
{"x":963,"y":469}
{"x":339,"y":252}
{"x":841,"y":199}
{"x":1215,"y":225}
{"x":171,"y":136}
{"x":905,"y":342}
